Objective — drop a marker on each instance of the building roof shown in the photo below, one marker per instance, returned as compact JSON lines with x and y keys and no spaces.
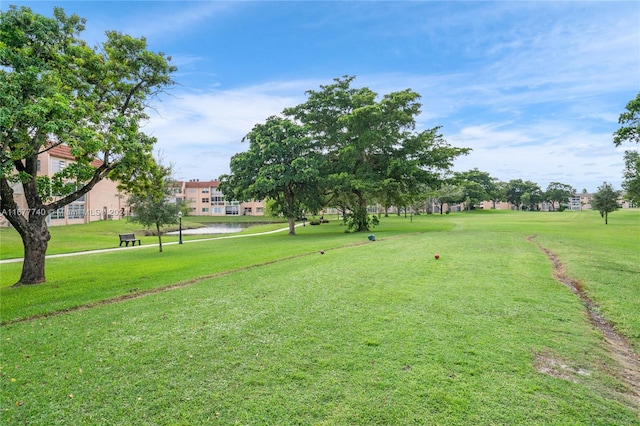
{"x":63,"y":151}
{"x":204,"y":184}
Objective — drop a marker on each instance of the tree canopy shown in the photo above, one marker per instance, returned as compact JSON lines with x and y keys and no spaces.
{"x":630,"y":123}
{"x":477,"y":185}
{"x":630,"y":132}
{"x":153,"y":206}
{"x":370,"y":147}
{"x":558,"y":193}
{"x":605,"y":200}
{"x":281,"y":166}
{"x":631,"y":175}
{"x":55,"y":90}
{"x":523,"y":194}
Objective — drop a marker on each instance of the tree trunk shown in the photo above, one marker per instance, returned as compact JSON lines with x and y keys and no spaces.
{"x":361,"y":215}
{"x":292,"y":225}
{"x":606,"y":218}
{"x":35,"y":238}
{"x":159,"y":237}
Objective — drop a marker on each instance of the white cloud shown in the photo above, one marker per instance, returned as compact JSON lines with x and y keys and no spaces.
{"x":544,"y":152}
{"x":199,"y":131}
{"x":166,"y":19}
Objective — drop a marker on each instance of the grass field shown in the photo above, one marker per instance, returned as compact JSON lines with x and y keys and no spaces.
{"x":266,"y":330}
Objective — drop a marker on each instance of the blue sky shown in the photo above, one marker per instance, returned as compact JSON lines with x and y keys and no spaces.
{"x":534,"y":88}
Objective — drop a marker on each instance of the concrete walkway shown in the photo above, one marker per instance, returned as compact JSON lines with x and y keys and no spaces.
{"x":80,"y":253}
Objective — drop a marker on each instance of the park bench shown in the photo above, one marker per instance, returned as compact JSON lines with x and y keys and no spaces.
{"x":129,"y":238}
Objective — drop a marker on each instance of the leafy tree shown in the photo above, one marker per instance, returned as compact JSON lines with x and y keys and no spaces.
{"x":370,"y":145}
{"x":474,"y":193}
{"x":449,"y":194}
{"x":389,"y":195}
{"x":536,"y":194}
{"x":630,"y":121}
{"x":516,"y":188}
{"x":630,"y":132}
{"x":558,"y":193}
{"x":498,"y":193}
{"x":605,"y":200}
{"x":478,"y":185}
{"x":631,"y":183}
{"x":152,"y":206}
{"x":280,"y":165}
{"x":55,"y":89}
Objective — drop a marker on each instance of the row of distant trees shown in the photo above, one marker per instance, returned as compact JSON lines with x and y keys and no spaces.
{"x":475,"y":186}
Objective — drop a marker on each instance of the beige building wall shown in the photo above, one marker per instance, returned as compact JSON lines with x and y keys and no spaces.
{"x":103,"y":202}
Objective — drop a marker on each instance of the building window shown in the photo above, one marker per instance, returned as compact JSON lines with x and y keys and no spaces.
{"x":217,"y":200}
{"x":205,"y":200}
{"x":58,"y":165}
{"x":205,"y":190}
{"x":217,"y":210}
{"x":231,"y":210}
{"x":205,"y":210}
{"x":58,"y":214}
{"x":76,"y":211}
{"x":192,"y":190}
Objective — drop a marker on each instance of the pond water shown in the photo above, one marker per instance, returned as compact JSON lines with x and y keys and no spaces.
{"x":214,"y":228}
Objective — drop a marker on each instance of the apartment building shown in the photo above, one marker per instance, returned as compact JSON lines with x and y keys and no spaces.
{"x":104,"y":201}
{"x":203,"y":198}
{"x":581,"y":201}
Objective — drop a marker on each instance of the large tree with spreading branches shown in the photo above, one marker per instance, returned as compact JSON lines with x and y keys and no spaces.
{"x":370,"y":145}
{"x":57,"y":90}
{"x":279,"y":166}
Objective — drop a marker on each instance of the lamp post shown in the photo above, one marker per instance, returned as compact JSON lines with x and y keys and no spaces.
{"x":180,"y":227}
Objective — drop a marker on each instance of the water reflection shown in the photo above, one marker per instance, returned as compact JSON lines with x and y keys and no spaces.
{"x":217,"y":228}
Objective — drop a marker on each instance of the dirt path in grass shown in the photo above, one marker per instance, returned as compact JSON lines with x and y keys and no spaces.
{"x":617,"y":344}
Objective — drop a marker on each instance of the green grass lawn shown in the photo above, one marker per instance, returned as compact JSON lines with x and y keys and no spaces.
{"x":270,"y":331}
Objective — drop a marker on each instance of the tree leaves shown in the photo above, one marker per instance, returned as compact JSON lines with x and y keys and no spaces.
{"x":630,"y":131}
